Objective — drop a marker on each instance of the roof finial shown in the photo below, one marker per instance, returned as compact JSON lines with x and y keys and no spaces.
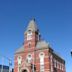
{"x":33,"y":18}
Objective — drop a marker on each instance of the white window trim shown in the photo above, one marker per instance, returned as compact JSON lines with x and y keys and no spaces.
{"x":29,"y":58}
{"x":41,"y":56}
{"x":19,"y":58}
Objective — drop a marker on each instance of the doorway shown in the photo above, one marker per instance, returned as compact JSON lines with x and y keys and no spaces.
{"x":24,"y":70}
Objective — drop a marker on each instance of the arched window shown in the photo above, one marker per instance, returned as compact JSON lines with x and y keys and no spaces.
{"x":29,"y":35}
{"x":29,"y":44}
{"x":19,"y":60}
{"x":29,"y":58}
{"x":19,"y":63}
{"x":41,"y":56}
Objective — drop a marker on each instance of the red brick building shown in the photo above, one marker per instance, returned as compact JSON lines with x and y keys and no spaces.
{"x":36,"y":55}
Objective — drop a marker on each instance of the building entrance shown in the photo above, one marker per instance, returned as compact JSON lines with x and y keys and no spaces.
{"x":24,"y":70}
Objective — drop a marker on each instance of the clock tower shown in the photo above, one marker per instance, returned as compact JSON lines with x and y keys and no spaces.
{"x":31,"y":36}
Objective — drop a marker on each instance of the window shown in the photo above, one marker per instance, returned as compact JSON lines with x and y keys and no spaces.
{"x":41,"y":55}
{"x":51,"y":61}
{"x":60,"y":66}
{"x":55,"y":63}
{"x":29,"y":32}
{"x":29,"y":44}
{"x":19,"y":63}
{"x":41,"y":68}
{"x":19,"y":60}
{"x":29,"y":58}
{"x":29,"y":35}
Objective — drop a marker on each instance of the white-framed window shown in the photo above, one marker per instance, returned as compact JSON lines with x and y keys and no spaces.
{"x":51,"y":61}
{"x":29,"y":35}
{"x":41,"y":56}
{"x":29,"y":58}
{"x":19,"y":60}
{"x":19,"y":69}
{"x":55,"y":63}
{"x":29,"y":32}
{"x":41,"y":68}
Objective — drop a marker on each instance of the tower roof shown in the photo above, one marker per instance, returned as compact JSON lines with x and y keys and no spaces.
{"x":32,"y":26}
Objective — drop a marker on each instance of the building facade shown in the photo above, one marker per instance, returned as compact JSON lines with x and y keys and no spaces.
{"x":35,"y":55}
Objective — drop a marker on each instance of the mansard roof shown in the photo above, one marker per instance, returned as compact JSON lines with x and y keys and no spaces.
{"x":32,"y":26}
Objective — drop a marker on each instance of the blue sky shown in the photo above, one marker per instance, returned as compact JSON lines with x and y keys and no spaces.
{"x":54,"y":19}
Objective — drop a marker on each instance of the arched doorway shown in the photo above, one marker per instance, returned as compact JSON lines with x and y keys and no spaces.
{"x":24,"y":70}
